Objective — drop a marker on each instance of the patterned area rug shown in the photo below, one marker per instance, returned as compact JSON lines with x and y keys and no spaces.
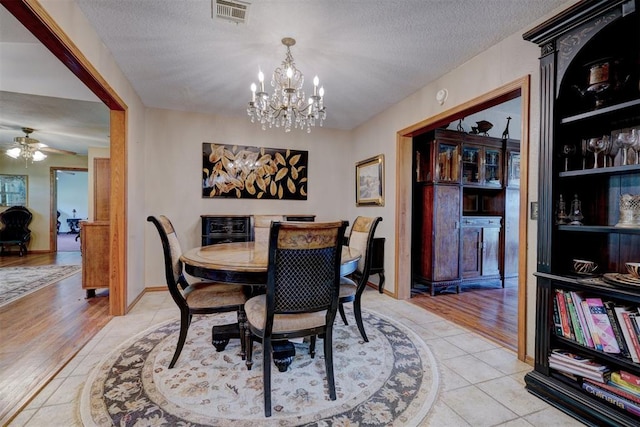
{"x":16,"y":282}
{"x":391,"y":380}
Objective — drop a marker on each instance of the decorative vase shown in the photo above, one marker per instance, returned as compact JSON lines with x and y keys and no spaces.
{"x":629,"y":211}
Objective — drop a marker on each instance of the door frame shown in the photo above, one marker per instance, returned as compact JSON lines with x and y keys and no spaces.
{"x":404,"y":176}
{"x":53,"y":202}
{"x":36,"y":19}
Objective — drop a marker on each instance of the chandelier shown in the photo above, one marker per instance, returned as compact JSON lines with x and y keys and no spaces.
{"x":288,"y":106}
{"x":28,"y":148}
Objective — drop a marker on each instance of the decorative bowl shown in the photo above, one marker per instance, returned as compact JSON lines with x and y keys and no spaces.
{"x":582,"y":266}
{"x":633,"y":268}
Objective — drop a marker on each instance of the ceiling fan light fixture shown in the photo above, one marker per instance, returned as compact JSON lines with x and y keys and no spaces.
{"x":39,"y":156}
{"x":14,"y":152}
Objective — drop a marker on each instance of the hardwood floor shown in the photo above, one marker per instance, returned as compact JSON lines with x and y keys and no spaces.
{"x":42,"y":331}
{"x":490,"y":312}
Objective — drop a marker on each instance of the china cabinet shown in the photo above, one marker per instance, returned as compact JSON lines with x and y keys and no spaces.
{"x":590,"y":68}
{"x":461,"y":197}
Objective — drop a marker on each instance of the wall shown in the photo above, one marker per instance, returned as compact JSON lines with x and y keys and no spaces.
{"x":173,"y":169}
{"x":75,"y":25}
{"x":39,"y":192}
{"x":94,"y":153}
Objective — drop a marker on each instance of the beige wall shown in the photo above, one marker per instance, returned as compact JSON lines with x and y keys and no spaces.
{"x":173,"y":170}
{"x":39,"y":191}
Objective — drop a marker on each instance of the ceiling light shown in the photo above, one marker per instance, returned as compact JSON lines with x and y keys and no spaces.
{"x":27,"y":148}
{"x":287,"y":107}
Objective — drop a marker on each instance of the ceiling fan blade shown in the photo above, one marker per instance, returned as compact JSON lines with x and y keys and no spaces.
{"x":55,"y":151}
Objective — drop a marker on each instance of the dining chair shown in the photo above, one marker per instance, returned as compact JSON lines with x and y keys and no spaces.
{"x":361,"y":239}
{"x":301,"y":299}
{"x":198,"y":297}
{"x":262,"y":225}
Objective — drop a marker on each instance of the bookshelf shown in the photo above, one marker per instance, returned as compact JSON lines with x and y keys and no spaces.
{"x":590,"y":77}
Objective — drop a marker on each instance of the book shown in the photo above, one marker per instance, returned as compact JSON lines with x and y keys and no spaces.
{"x":573,"y":317}
{"x":602,"y":326}
{"x":614,"y":399}
{"x":599,"y":376}
{"x":615,"y":326}
{"x":587,"y":314}
{"x":630,"y":378}
{"x":625,"y":326}
{"x":577,"y":300}
{"x":613,"y":388}
{"x":616,"y":378}
{"x":571,"y":359}
{"x":557,"y":323}
{"x":564,"y":314}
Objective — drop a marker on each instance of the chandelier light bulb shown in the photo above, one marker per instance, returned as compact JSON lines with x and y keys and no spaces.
{"x":261,"y":80}
{"x":321,"y":91}
{"x":253,"y":92}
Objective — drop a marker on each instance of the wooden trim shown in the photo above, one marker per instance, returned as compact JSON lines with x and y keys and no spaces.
{"x":404,"y":138}
{"x":35,"y":19}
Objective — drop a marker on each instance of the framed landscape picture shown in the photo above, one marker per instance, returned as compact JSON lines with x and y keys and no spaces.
{"x":370,"y":181}
{"x":245,"y":172}
{"x":13,"y":190}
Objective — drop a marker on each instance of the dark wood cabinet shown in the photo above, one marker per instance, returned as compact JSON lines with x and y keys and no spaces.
{"x":225,"y":229}
{"x":590,"y":69}
{"x":481,"y":247}
{"x":94,"y":246}
{"x":465,"y":212}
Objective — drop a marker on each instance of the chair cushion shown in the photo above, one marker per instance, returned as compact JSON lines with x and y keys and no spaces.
{"x":359,"y":240}
{"x":256,"y":309}
{"x":347,"y":287}
{"x":213,"y":294}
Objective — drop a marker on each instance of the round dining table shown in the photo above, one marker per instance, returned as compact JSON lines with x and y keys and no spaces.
{"x":246,"y":263}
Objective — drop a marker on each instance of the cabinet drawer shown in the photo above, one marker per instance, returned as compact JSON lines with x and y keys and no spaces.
{"x":482,"y":221}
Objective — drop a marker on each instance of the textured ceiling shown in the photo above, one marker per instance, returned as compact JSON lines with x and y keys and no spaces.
{"x":369,"y":54}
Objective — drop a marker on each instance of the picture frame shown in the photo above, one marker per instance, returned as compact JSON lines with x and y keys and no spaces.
{"x":14,"y":190}
{"x":248,"y":172}
{"x":370,"y":181}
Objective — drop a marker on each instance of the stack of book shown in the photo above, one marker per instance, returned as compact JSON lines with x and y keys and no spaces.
{"x":599,"y":325}
{"x":574,"y":365}
{"x":621,"y":390}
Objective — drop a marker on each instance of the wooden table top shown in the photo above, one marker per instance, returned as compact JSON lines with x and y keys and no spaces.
{"x":244,"y":262}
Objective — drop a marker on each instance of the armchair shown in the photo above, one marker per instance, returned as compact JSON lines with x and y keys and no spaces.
{"x":14,"y":229}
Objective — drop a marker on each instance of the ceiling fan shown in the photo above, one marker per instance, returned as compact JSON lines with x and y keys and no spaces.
{"x":31,"y":149}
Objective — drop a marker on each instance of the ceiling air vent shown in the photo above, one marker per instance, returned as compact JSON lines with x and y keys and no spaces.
{"x":234,"y":11}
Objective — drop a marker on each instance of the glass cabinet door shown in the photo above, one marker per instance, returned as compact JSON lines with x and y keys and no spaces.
{"x":492,"y":167}
{"x":471,"y":165}
{"x":448,"y":163}
{"x":513,"y":175}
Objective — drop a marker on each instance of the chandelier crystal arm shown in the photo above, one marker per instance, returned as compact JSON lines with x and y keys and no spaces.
{"x":287,"y":106}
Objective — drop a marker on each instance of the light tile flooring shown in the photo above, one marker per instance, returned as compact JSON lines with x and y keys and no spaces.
{"x":481,"y":384}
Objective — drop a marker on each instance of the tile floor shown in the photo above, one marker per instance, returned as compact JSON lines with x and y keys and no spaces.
{"x":481,"y":384}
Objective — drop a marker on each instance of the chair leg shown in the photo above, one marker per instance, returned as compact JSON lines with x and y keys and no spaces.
{"x":248,"y":339}
{"x":266,"y":374}
{"x":185,"y":321}
{"x":328,"y":361}
{"x":357,"y":311}
{"x":342,"y":315}
{"x":312,"y":345}
{"x":242,"y":326}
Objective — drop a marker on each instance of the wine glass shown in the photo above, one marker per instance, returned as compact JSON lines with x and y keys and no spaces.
{"x":597,"y":146}
{"x":635,"y":146}
{"x":626,"y":141}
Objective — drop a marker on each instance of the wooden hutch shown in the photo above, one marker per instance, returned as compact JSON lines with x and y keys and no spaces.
{"x":590,"y":68}
{"x":466,"y":199}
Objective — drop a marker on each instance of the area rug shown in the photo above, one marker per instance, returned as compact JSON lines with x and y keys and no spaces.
{"x":392,"y":380}
{"x":16,"y":282}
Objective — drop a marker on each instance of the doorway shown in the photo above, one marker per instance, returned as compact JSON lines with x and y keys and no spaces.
{"x":520,"y":87}
{"x":70,"y":202}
